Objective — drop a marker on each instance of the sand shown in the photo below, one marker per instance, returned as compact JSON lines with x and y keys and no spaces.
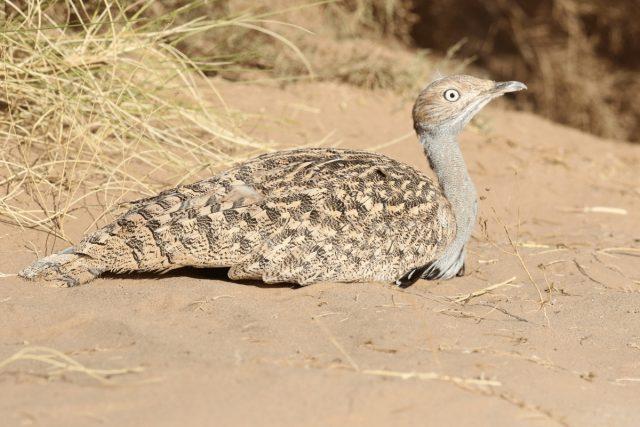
{"x":556,"y":343}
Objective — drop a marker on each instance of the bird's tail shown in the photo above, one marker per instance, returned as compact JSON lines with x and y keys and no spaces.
{"x":64,"y":268}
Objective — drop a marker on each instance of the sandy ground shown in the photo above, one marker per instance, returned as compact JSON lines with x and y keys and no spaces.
{"x":543,"y":330}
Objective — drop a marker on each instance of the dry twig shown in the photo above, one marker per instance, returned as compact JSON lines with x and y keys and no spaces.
{"x":464,"y":298}
{"x":59,"y":363}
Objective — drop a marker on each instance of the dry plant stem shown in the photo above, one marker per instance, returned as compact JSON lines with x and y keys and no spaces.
{"x":621,"y":251}
{"x":505,"y":312}
{"x":393,"y":141}
{"x":516,"y":253}
{"x":336,"y":344}
{"x":63,"y":363}
{"x":627,"y":379}
{"x":611,"y":267}
{"x":596,"y":209}
{"x":460,"y":314}
{"x":466,"y":298}
{"x":584,"y":272}
{"x":521,"y":403}
{"x":430,"y":376}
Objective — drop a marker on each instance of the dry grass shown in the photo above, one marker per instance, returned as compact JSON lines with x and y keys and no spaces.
{"x":59,"y":363}
{"x":382,"y":18}
{"x":98,"y":106}
{"x":465,"y":298}
{"x":621,"y":251}
{"x":358,"y":42}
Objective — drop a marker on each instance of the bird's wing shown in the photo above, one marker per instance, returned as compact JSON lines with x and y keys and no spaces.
{"x":353,"y":217}
{"x":361,"y":215}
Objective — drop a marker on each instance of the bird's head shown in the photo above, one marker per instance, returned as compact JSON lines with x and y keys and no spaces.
{"x":445,"y":106}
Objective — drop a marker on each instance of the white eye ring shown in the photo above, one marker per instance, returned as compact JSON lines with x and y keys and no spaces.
{"x":451,"y":95}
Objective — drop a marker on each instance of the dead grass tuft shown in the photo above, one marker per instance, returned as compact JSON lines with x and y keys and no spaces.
{"x":98,"y":105}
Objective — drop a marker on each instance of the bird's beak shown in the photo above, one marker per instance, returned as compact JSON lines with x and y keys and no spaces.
{"x":505,"y":87}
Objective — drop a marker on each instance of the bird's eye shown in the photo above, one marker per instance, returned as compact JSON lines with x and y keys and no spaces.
{"x":451,"y":95}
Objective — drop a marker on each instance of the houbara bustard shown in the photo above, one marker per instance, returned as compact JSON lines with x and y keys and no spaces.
{"x":307,"y":215}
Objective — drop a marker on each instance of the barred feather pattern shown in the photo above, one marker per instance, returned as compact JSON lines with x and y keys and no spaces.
{"x":298,"y":216}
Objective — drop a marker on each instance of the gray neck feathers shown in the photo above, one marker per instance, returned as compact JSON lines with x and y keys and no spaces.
{"x":445,"y":158}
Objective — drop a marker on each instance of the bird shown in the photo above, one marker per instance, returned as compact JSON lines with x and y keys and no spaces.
{"x":307,"y":215}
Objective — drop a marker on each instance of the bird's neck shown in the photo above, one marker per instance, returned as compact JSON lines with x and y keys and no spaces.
{"x":445,"y":158}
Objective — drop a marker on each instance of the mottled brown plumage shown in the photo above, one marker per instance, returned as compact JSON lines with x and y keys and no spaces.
{"x":307,"y":215}
{"x":297,"y":216}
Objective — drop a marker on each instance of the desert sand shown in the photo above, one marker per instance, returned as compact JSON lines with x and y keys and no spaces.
{"x":543,"y":330}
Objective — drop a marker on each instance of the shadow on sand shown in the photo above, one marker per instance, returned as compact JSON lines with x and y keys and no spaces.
{"x":219,"y":274}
